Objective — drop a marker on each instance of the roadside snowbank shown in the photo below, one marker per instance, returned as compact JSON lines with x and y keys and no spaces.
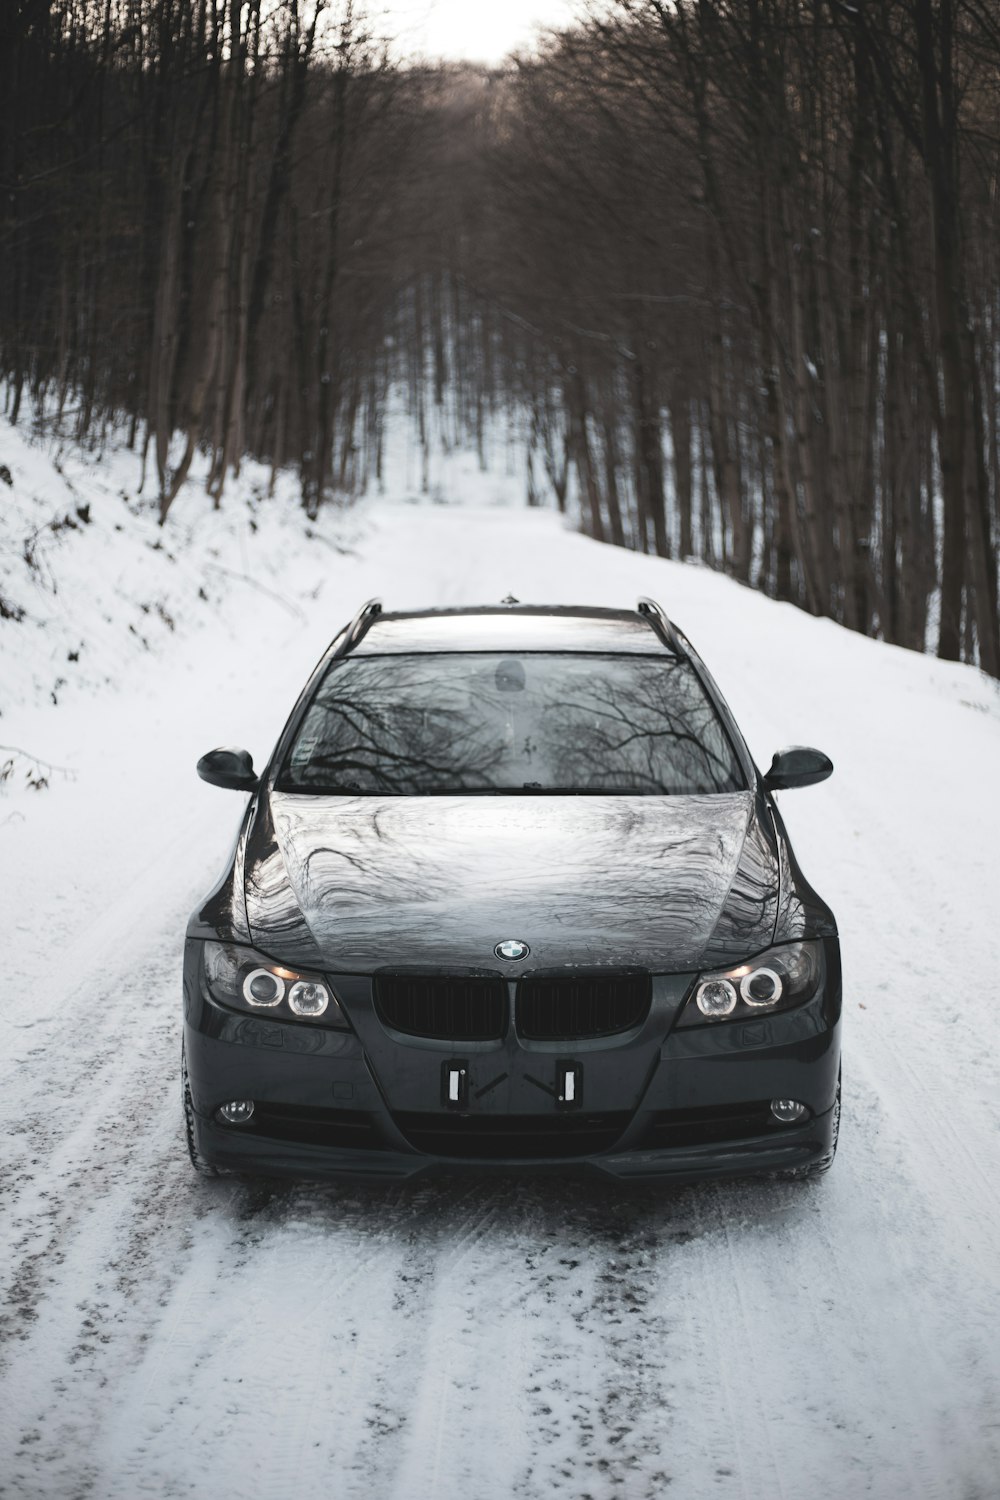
{"x":90,"y":583}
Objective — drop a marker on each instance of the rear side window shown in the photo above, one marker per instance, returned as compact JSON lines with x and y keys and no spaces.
{"x":537,"y":723}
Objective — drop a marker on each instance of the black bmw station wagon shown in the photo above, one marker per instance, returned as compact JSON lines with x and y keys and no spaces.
{"x":511,"y":892}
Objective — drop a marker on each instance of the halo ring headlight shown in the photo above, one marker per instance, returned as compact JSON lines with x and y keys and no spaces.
{"x":760,"y":978}
{"x":716,"y":998}
{"x":307,"y":997}
{"x":263,"y":989}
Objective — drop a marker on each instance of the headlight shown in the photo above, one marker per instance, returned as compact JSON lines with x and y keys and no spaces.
{"x":262,"y":988}
{"x":307,"y":998}
{"x":776,"y":980}
{"x":245,"y":980}
{"x":716,"y":998}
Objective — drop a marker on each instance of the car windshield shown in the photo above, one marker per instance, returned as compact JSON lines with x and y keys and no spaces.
{"x":534,"y":723}
{"x":485,"y":723}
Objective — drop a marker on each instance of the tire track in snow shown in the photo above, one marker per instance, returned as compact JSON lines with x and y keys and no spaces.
{"x":937,"y":1155}
{"x":546,"y":1352}
{"x":271,"y":1326}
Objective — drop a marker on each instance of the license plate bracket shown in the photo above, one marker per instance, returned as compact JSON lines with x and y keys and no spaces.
{"x":455,"y":1083}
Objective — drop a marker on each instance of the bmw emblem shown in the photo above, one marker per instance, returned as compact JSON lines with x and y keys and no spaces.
{"x":511,"y":948}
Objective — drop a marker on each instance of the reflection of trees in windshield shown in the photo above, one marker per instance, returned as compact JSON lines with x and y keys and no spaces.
{"x":481,"y":723}
{"x":395,"y":724}
{"x":657,"y":729}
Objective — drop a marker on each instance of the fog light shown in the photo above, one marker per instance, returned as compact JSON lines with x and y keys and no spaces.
{"x":237,"y":1111}
{"x":787,"y":1110}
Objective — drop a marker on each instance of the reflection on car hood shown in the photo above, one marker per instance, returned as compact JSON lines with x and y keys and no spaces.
{"x":354,"y":884}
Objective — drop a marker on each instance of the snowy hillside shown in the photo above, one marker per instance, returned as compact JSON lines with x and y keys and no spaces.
{"x":161,"y":1335}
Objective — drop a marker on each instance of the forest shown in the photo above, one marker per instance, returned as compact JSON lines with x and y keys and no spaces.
{"x":729,"y":268}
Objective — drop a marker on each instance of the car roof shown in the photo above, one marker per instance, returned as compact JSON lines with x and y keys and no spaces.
{"x":521,"y":627}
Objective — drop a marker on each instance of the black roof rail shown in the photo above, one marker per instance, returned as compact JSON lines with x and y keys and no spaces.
{"x":362,"y":620}
{"x":660,"y":622}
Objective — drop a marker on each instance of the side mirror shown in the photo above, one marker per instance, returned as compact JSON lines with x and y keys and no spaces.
{"x":228,"y":767}
{"x":799,"y":766}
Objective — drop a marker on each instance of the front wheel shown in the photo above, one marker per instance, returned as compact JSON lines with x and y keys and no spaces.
{"x":201,"y":1166}
{"x":825,"y":1162}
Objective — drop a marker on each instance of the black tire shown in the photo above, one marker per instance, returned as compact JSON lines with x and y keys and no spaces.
{"x":202,"y":1167}
{"x":825,"y":1162}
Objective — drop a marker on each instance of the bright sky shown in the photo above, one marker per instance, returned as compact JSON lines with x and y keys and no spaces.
{"x":473,"y":30}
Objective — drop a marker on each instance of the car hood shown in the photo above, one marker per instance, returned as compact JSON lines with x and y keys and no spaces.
{"x":354,"y":884}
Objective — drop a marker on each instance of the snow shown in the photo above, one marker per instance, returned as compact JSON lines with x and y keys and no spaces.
{"x":165,"y":1336}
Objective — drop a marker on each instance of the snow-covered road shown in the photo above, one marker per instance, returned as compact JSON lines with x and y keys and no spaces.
{"x":165,"y":1336}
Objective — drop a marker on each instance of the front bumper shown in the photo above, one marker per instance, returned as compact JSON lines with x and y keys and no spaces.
{"x":659,"y":1103}
{"x":234,"y":1149}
